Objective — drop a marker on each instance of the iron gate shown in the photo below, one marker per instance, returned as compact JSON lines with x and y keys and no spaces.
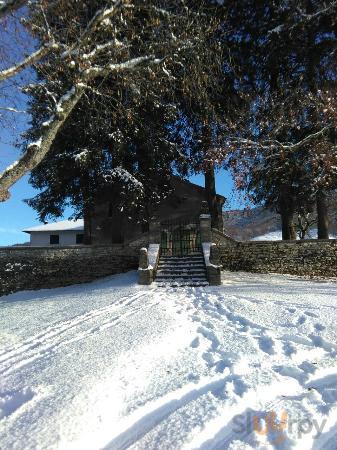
{"x":180,"y":238}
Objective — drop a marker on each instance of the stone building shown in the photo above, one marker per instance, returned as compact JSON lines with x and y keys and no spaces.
{"x":109,"y":226}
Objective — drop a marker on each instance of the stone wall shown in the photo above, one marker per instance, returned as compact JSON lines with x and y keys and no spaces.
{"x":45,"y":267}
{"x":309,"y":257}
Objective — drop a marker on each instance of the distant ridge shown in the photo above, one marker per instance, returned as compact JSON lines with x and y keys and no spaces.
{"x":259,"y":222}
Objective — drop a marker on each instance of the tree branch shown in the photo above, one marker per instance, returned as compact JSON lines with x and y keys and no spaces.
{"x":8,"y":6}
{"x":12,"y":110}
{"x":101,"y":15}
{"x":31,"y":59}
{"x":267,"y":144}
{"x":318,"y":13}
{"x":37,"y":150}
{"x":305,"y":18}
{"x":307,"y":139}
{"x":42,"y":51}
{"x":127,"y":65}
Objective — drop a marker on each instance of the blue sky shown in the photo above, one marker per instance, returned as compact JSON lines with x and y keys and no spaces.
{"x":15,"y":215}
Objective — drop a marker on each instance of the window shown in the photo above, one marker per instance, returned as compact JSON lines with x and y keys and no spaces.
{"x":79,"y":238}
{"x":54,"y":239}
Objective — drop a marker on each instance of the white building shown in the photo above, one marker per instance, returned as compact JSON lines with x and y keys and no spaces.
{"x":66,"y":232}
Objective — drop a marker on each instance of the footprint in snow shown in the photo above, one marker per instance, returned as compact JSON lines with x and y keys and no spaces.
{"x":308,"y":367}
{"x":301,"y":320}
{"x":208,"y":357}
{"x":319,"y":327}
{"x":318,"y":341}
{"x":291,"y":310}
{"x":196,"y":319}
{"x":289,"y":348}
{"x":266,"y":344}
{"x":208,"y":325}
{"x":294,"y":372}
{"x":193,"y":377}
{"x":195,"y":343}
{"x":222,"y":365}
{"x":233,"y":384}
{"x":310,"y":314}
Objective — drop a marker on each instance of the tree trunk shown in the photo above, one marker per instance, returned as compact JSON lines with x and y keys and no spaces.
{"x":292,"y":228}
{"x":87,"y":225}
{"x":286,"y":209}
{"x":288,"y":228}
{"x":211,"y":196}
{"x":209,"y":174}
{"x":322,"y":215}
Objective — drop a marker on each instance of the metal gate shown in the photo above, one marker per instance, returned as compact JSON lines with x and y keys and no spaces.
{"x":180,"y":238}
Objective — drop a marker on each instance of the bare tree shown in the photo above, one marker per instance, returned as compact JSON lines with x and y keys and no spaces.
{"x":305,"y":221}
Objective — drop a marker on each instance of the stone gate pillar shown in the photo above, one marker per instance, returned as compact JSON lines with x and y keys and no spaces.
{"x":210,"y":250}
{"x":205,"y":224}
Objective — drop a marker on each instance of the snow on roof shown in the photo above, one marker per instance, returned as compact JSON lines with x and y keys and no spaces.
{"x":63,"y":225}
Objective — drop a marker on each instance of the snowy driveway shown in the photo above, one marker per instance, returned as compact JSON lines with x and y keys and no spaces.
{"x":114,"y":365}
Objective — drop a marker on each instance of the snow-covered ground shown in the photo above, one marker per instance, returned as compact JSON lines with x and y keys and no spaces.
{"x":277,"y":236}
{"x":114,"y":365}
{"x":271,"y":236}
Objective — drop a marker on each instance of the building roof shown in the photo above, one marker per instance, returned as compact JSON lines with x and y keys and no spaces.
{"x":197,"y":187}
{"x":63,"y":225}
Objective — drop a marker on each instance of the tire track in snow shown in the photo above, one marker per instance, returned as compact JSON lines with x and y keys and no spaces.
{"x":53,"y":337}
{"x":221,"y":431}
{"x":144,"y":419}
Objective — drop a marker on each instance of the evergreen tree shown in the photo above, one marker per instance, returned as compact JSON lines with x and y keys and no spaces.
{"x":130,"y":155}
{"x":121,"y":122}
{"x":285,"y":52}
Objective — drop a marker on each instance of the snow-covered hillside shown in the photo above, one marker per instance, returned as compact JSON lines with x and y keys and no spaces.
{"x":271,"y":236}
{"x":249,"y":224}
{"x":277,"y":236}
{"x":115,"y":365}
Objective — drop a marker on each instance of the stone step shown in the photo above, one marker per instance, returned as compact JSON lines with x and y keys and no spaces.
{"x":180,"y":278}
{"x":181,"y":271}
{"x":189,"y":271}
{"x":182,"y":284}
{"x":181,"y":258}
{"x":181,"y":264}
{"x":181,"y":275}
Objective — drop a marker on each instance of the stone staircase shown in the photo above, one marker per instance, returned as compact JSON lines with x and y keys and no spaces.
{"x":180,"y":271}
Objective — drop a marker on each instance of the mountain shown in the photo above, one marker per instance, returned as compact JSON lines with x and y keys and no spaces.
{"x":244,"y":225}
{"x":260,"y":223}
